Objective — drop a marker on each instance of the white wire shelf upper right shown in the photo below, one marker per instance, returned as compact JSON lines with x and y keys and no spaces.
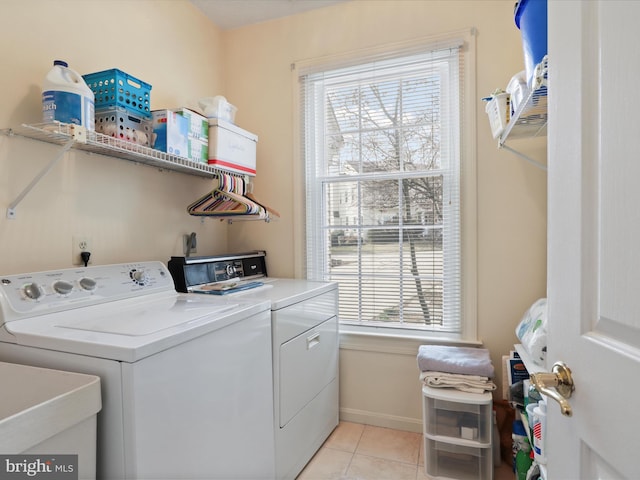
{"x":530,"y":119}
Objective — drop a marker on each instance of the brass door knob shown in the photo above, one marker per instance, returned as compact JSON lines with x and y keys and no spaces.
{"x":557,"y":385}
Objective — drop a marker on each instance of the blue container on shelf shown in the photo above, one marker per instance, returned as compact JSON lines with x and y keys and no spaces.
{"x":531,"y":19}
{"x":115,"y":88}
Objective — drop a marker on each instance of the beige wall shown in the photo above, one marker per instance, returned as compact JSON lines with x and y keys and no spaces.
{"x":511,"y":202}
{"x":135,"y":212}
{"x":131,"y":212}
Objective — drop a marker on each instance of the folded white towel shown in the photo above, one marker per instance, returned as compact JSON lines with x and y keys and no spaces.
{"x":460,"y":360}
{"x":465,"y":383}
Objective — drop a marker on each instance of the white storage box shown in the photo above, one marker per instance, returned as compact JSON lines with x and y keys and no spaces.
{"x":231,"y":148}
{"x":499,"y":111}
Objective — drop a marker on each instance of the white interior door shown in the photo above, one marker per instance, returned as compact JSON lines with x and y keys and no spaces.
{"x":594,"y":236}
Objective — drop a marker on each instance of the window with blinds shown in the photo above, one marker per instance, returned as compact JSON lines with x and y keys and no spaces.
{"x":381,"y":144}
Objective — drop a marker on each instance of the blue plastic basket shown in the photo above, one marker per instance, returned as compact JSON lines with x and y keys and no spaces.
{"x":115,"y":88}
{"x":531,"y":19}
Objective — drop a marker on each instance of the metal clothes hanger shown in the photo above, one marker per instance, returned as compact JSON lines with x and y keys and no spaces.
{"x":228,"y":199}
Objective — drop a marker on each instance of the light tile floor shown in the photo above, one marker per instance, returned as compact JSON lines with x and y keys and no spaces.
{"x":364,"y":452}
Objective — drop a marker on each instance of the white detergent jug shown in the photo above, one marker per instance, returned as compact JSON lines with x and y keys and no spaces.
{"x":66,"y":97}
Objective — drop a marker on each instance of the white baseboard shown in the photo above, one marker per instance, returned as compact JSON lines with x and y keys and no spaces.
{"x":381,"y":420}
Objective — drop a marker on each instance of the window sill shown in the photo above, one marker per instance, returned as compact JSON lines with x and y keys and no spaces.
{"x":402,"y":343}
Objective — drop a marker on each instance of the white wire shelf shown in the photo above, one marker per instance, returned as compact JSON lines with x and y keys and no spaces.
{"x":74,"y":137}
{"x":530,"y":120}
{"x":94,"y":142}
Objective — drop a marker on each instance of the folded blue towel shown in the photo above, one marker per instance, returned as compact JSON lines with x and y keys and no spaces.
{"x":460,"y":360}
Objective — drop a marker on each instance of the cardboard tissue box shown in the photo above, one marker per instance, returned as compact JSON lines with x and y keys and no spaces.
{"x":198,"y":150}
{"x":171,"y":132}
{"x":197,"y":135}
{"x":198,"y":124}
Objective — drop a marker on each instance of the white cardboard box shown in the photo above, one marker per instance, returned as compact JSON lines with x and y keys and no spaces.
{"x":231,"y":148}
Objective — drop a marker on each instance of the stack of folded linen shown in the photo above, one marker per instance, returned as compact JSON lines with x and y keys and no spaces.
{"x":464,"y":368}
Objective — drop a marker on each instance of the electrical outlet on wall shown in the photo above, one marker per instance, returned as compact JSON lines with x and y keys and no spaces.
{"x":80,"y":244}
{"x":189,"y":244}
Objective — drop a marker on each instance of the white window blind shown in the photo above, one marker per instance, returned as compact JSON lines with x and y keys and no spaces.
{"x":381,"y":144}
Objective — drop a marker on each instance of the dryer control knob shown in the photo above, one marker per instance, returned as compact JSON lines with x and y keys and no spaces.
{"x":62,"y":287}
{"x":32,"y":291}
{"x":87,"y":283}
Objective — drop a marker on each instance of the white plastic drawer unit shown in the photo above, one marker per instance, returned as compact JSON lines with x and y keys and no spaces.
{"x":308,"y":363}
{"x":460,"y":462}
{"x":467,"y":421}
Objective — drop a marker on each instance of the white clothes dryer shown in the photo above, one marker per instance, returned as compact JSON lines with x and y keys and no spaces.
{"x":304,"y":322}
{"x":187,"y":385}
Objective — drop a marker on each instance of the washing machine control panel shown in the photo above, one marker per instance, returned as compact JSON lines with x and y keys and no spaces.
{"x":28,"y":294}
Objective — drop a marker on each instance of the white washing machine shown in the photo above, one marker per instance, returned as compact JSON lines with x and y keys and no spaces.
{"x":304,"y":320}
{"x":186,"y":380}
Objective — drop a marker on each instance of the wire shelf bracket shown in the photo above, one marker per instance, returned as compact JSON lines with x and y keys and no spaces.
{"x":79,"y":135}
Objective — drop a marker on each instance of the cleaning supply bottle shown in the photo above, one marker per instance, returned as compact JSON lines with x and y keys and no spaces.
{"x":66,"y":98}
{"x":521,"y":451}
{"x":539,"y":432}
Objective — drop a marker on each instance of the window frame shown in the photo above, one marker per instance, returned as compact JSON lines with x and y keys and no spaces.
{"x":468,"y":189}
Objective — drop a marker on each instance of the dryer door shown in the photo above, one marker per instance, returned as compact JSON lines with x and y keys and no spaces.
{"x":308,"y":363}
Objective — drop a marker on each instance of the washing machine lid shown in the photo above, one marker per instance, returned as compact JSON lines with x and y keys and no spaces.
{"x":146,"y":318}
{"x":122,"y":312}
{"x":131,"y":330}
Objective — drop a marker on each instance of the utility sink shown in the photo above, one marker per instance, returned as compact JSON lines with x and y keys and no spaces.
{"x":50,"y":412}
